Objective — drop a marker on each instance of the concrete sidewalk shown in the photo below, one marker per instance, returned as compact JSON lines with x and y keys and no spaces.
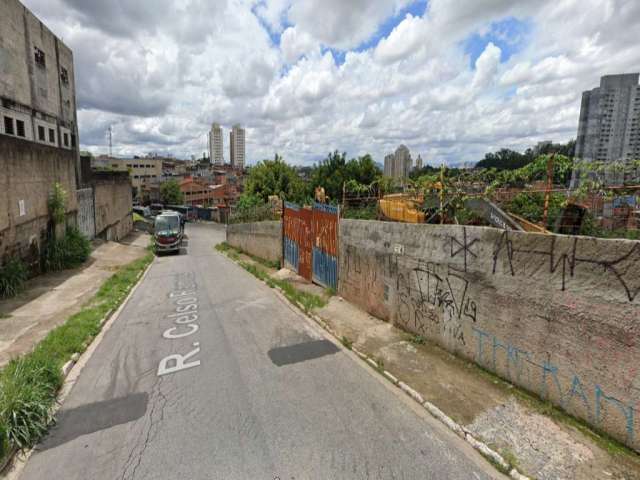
{"x":52,"y":298}
{"x":540,"y":445}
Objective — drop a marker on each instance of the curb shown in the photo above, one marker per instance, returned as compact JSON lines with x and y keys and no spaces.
{"x":434,"y":411}
{"x":68,"y":366}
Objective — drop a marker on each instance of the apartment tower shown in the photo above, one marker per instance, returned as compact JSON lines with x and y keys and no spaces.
{"x":609,"y":127}
{"x":215,"y":145}
{"x":237,"y":146}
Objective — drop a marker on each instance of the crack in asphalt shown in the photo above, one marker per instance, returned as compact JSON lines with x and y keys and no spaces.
{"x":158,"y":404}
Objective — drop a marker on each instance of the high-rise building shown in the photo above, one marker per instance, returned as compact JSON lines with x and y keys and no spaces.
{"x":609,"y":127}
{"x":216,"y":154}
{"x":237,"y":146}
{"x":418,"y":163}
{"x":398,"y":164}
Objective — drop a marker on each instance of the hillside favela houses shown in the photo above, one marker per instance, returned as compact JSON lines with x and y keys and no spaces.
{"x":39,"y":144}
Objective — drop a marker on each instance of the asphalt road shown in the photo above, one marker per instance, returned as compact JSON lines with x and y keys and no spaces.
{"x":207,"y":374}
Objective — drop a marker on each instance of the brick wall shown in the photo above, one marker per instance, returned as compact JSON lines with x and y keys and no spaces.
{"x":557,"y":315}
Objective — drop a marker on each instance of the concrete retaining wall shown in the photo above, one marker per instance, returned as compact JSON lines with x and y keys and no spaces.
{"x":262,"y":239}
{"x":28,"y":172}
{"x":113,"y":204}
{"x":557,"y":315}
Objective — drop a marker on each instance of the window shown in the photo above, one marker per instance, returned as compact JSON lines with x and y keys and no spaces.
{"x":66,"y":139}
{"x":39,"y":57}
{"x":52,"y":135}
{"x":20,"y":128}
{"x":64,"y":76}
{"x":73,"y":141}
{"x":8,"y":125}
{"x":41,"y":135}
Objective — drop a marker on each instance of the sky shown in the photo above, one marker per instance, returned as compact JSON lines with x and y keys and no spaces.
{"x":451,"y":79}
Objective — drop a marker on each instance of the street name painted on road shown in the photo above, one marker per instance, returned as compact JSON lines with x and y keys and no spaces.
{"x":185,"y":316}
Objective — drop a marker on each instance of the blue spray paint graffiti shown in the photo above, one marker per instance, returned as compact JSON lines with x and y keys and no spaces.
{"x":517,"y":360}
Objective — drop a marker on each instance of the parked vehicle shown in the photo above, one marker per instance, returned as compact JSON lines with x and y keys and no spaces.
{"x":168,"y":232}
{"x":156,"y":208}
{"x":143,"y":211}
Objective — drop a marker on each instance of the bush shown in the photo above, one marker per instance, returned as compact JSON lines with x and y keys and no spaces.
{"x":68,"y":252}
{"x":28,"y":388}
{"x":12,"y":277}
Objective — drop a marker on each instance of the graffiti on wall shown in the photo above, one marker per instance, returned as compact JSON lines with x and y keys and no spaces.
{"x":545,"y":378}
{"x":622,"y":270}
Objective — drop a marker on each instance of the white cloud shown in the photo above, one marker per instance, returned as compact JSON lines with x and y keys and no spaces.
{"x":161,"y":72}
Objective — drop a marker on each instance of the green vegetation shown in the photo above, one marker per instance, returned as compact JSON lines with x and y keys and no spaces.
{"x":531,"y":207}
{"x":68,"y":252}
{"x":170,"y":193}
{"x":57,"y":204}
{"x":13,"y":276}
{"x":273,"y":177}
{"x":346,"y":342}
{"x":366,"y":212}
{"x":29,"y":384}
{"x":332,"y":172}
{"x":417,"y":339}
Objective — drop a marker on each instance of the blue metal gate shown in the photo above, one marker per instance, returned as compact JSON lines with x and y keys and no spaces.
{"x":324,"y":225}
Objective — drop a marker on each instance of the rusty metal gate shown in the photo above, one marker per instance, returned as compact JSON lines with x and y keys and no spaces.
{"x":324,"y":225}
{"x":86,"y":212}
{"x":310,"y":242}
{"x":297,"y":239}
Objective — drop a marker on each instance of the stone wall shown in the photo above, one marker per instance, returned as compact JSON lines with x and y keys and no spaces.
{"x":557,"y":315}
{"x":262,"y":239}
{"x":28,"y":172}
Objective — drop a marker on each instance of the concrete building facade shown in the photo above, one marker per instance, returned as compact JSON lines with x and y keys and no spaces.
{"x":216,"y":147}
{"x":142,"y":171}
{"x":37,"y":85}
{"x":609,"y":125}
{"x":237,"y":146}
{"x":399,"y":164}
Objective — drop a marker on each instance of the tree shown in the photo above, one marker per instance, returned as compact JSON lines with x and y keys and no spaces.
{"x":335,"y":170}
{"x":170,"y":193}
{"x":275,"y":177}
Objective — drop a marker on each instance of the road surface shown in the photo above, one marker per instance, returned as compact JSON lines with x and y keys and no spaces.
{"x":207,"y":374}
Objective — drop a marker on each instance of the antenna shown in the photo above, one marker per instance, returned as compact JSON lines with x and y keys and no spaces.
{"x":110,"y":136}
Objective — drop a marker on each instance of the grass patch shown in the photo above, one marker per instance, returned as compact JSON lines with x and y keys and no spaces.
{"x":29,"y":384}
{"x":510,"y":458}
{"x":234,"y":252}
{"x":348,"y":343}
{"x":417,"y":339}
{"x":304,"y":300}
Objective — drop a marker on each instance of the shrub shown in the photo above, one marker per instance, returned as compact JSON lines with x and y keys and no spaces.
{"x":12,"y":277}
{"x":68,"y":252}
{"x":28,"y":388}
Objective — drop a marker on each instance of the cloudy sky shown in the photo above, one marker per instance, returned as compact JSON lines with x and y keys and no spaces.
{"x":451,"y":79}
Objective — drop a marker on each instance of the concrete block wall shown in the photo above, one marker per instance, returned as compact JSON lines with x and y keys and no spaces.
{"x":262,"y":239}
{"x":113,"y":208}
{"x":556,"y":315}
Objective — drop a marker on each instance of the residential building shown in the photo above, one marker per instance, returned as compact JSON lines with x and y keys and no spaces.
{"x":609,"y":126}
{"x":199,"y":192}
{"x":38,"y":130}
{"x":216,"y":150}
{"x":237,"y":146}
{"x":398,"y":165}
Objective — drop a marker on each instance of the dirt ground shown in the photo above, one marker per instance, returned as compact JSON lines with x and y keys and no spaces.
{"x":50,"y":299}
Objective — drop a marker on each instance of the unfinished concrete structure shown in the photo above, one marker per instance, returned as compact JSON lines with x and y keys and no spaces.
{"x":38,"y":129}
{"x":609,"y":127}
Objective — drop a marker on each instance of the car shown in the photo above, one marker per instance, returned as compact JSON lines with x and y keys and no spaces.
{"x":142,"y":211}
{"x":168,"y":232}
